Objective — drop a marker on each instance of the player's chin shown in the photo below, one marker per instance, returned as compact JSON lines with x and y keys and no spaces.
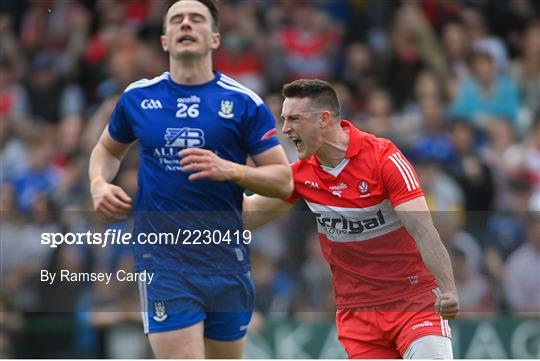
{"x":303,"y":154}
{"x":186,"y":52}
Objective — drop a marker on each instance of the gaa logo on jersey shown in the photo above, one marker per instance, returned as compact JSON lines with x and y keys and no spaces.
{"x":160,"y":311}
{"x":226,"y":109}
{"x":184,"y":137}
{"x":363,"y":187}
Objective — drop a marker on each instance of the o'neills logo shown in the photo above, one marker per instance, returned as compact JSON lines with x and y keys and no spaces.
{"x":344,"y":225}
{"x":423,"y":324}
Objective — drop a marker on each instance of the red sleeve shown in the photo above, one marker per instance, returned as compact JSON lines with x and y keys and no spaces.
{"x":294,"y":197}
{"x":399,"y":177}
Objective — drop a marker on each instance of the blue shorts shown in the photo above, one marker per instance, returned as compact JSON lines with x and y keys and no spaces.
{"x":174,"y":300}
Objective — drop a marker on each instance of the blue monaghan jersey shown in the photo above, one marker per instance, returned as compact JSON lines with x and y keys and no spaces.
{"x":165,"y":117}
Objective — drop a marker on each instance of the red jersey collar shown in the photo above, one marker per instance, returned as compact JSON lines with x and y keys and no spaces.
{"x":355,"y":142}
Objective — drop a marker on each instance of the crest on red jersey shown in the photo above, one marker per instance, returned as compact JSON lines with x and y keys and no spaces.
{"x":363,"y":187}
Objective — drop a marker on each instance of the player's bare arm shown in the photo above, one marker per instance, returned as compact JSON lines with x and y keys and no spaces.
{"x":416,"y":218}
{"x":271,"y":178}
{"x":258,"y":210}
{"x":105,"y":159}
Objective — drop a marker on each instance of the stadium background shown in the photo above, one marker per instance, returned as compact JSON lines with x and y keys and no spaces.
{"x":405,"y":70}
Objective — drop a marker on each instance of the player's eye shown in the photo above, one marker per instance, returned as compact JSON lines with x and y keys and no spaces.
{"x":197,"y":18}
{"x":176,"y":19}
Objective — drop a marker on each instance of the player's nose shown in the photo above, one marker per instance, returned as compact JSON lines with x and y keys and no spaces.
{"x":185,"y":24}
{"x":286,"y":128}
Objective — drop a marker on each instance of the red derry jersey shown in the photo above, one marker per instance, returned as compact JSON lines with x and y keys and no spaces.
{"x":373,"y":258}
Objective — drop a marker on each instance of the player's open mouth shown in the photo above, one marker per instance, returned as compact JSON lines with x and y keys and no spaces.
{"x":297,"y":142}
{"x":186,"y":39}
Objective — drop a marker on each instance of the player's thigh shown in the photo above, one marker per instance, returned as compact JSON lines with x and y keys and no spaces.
{"x":172,"y":313}
{"x":186,"y":343}
{"x":216,"y":349}
{"x":430,"y":347}
{"x":419,"y":321}
{"x":233,"y":300}
{"x":361,"y":337}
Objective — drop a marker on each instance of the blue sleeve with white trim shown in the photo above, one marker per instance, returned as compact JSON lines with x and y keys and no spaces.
{"x":260,"y":130}
{"x":119,"y":126}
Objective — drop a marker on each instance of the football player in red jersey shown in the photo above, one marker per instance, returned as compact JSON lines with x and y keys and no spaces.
{"x":392,"y":276}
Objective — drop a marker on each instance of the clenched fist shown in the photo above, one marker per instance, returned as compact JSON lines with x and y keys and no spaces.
{"x":447,"y":305}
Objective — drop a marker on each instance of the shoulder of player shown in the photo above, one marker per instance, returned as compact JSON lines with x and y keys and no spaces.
{"x":301,"y":166}
{"x":375,"y":147}
{"x":228,"y":85}
{"x":146,"y":83}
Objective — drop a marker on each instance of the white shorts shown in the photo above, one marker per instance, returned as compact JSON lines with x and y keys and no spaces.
{"x":430,"y":347}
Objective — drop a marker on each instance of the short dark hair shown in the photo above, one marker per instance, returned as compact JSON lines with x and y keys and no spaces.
{"x":210,"y":4}
{"x":318,"y":90}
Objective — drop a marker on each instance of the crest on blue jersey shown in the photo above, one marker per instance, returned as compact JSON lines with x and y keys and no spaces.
{"x":184,"y":137}
{"x":160,"y":311}
{"x":226,"y":109}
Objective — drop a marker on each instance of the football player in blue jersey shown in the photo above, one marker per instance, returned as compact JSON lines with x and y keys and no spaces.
{"x":195,"y":127}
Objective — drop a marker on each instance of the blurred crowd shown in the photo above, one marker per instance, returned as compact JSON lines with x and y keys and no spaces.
{"x":454,"y":83}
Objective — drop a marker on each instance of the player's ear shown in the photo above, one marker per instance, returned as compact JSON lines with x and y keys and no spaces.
{"x":163,"y":41}
{"x":325,"y":119}
{"x":216,"y":40}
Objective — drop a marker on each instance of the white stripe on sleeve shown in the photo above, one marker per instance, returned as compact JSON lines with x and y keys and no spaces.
{"x":398,"y":165}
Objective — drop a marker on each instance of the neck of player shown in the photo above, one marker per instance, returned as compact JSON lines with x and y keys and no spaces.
{"x":191,"y":71}
{"x":334,"y":147}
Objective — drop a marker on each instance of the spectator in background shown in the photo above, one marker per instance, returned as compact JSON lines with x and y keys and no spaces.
{"x":473,"y":176}
{"x":433,"y":142}
{"x":450,"y":224}
{"x":502,"y":155}
{"x":482,"y":39}
{"x":442,"y":193}
{"x":314,"y":297}
{"x":359,"y":72}
{"x":237,"y":57}
{"x":486,"y":94}
{"x":505,"y":232}
{"x":405,"y":61}
{"x":122,"y":64}
{"x":475,"y":295}
{"x":531,"y":163}
{"x":526,"y":71}
{"x":275,"y":288}
{"x":51,"y":98}
{"x":242,"y":51}
{"x":415,"y":48}
{"x":428,"y":107}
{"x":379,"y":118}
{"x":522,"y":269}
{"x":40,"y":177}
{"x":12,"y":152}
{"x":457,"y":48}
{"x":309,"y":43}
{"x":61,"y":33}
{"x":13,"y":96}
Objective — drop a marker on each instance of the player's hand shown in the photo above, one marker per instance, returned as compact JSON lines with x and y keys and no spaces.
{"x":206,"y":164}
{"x":110,"y":200}
{"x":447,"y":305}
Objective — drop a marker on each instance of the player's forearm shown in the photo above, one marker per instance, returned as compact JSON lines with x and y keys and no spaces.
{"x":269,"y":180}
{"x":258,"y":210}
{"x":435,"y":257}
{"x":103,"y":163}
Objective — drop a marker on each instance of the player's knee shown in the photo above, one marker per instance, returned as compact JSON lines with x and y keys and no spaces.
{"x":430,"y":347}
